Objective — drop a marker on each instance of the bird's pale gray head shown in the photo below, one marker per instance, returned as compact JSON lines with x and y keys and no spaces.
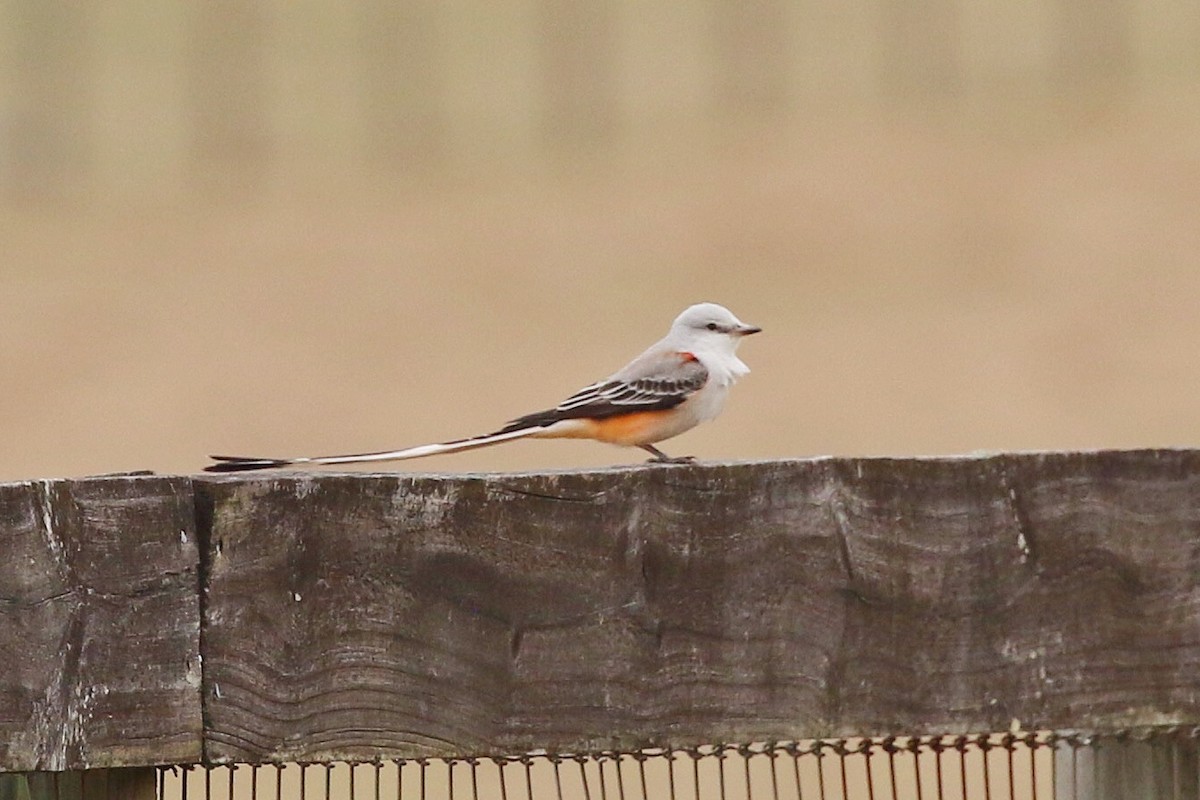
{"x":710,"y":319}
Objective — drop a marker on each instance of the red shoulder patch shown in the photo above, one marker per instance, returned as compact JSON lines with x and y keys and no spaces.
{"x":686,"y":356}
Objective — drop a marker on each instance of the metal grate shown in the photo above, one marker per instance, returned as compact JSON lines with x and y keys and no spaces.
{"x":1033,"y":766}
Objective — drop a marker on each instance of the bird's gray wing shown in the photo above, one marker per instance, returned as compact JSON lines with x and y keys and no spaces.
{"x":655,"y":381}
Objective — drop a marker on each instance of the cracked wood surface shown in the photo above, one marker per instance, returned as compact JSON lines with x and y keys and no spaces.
{"x":347,"y":616}
{"x":99,"y":623}
{"x":409,"y":615}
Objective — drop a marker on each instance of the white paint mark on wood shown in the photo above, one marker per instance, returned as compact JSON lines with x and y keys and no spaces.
{"x":46,"y":491}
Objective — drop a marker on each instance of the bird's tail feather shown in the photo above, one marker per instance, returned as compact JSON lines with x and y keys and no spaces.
{"x":244,"y":463}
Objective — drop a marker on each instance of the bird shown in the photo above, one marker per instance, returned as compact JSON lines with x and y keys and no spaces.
{"x":676,"y":384}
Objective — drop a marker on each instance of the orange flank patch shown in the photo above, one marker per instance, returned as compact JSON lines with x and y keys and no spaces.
{"x":634,"y":428}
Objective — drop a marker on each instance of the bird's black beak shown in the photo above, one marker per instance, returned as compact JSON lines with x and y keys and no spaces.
{"x":746,"y":330}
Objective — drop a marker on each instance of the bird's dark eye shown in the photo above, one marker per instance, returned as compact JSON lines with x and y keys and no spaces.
{"x":712,"y":326}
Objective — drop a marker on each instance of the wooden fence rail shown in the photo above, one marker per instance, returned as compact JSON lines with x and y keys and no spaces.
{"x":177,"y":619}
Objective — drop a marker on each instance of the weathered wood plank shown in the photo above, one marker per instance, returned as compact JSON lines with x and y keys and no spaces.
{"x":353,"y":615}
{"x":99,"y":624}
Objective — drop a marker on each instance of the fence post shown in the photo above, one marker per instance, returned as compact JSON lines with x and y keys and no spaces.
{"x":1117,"y":768}
{"x":13,"y":787}
{"x":124,"y":783}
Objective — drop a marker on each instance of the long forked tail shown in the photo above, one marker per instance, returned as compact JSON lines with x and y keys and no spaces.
{"x":244,"y":463}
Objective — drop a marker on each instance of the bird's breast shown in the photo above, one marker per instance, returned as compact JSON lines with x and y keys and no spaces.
{"x":707,"y":403}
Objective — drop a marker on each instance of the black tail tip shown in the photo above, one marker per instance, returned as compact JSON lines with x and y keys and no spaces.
{"x":243,"y":463}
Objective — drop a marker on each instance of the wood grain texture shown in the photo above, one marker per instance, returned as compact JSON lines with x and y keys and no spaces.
{"x":348,"y":616}
{"x":99,"y":624}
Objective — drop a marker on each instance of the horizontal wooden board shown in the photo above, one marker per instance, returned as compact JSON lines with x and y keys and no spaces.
{"x":353,"y":615}
{"x":346,"y":616}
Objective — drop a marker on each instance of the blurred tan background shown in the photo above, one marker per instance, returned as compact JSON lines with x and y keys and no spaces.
{"x":292,"y":228}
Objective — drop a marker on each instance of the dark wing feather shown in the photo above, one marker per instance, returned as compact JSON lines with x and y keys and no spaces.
{"x":611,"y":397}
{"x":243,"y":463}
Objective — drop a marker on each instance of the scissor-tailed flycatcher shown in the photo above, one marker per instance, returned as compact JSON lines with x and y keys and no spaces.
{"x":678,"y":383}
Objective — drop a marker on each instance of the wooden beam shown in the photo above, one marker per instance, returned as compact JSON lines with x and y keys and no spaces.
{"x":352,"y":615}
{"x":349,"y":616}
{"x":99,"y":624}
